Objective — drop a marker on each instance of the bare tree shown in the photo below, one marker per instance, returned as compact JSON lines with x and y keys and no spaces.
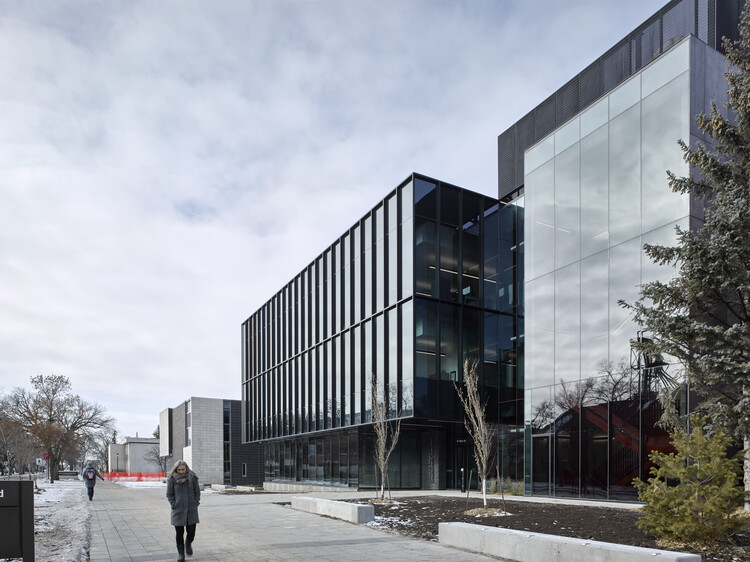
{"x":59,"y":421}
{"x":387,"y":432}
{"x":17,"y":445}
{"x":98,"y":447}
{"x":475,"y":421}
{"x":152,"y":456}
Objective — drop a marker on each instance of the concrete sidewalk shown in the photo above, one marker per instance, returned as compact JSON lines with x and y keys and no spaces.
{"x":133,"y":524}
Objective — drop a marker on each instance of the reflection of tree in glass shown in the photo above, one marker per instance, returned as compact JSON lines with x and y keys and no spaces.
{"x":616,"y":381}
{"x":542,"y":414}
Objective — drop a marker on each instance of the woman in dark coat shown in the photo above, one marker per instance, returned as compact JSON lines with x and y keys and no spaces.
{"x":184,"y":496}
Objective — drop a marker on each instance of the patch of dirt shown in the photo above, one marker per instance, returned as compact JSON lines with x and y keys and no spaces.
{"x":418,"y":517}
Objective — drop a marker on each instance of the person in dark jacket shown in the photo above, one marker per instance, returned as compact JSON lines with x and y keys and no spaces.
{"x":184,"y":495}
{"x":90,"y":474}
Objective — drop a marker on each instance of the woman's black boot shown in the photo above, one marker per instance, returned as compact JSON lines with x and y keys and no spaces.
{"x":189,"y":547}
{"x":181,"y":551}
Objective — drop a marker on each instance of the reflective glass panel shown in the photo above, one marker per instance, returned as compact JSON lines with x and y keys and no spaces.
{"x":567,"y":438}
{"x":540,"y":221}
{"x":665,"y":118}
{"x":347,"y":270}
{"x":379,"y":276}
{"x":407,"y":202}
{"x":491,"y":260}
{"x":345,"y":378}
{"x":392,"y":244}
{"x":667,"y":67}
{"x":369,"y":369}
{"x":539,"y":154}
{"x":357,"y":281}
{"x":567,"y":206}
{"x":470,"y":260}
{"x":407,"y":358}
{"x":449,"y":359}
{"x":624,"y":280}
{"x":625,"y":96}
{"x":594,"y":192}
{"x":425,"y":199}
{"x":449,"y":263}
{"x":594,"y":446}
{"x":328,"y":396}
{"x":567,"y":323}
{"x":567,"y":135}
{"x":367,"y":274}
{"x":425,"y":357}
{"x":449,"y":205}
{"x":594,"y":313}
{"x":624,"y":175}
{"x":540,"y":343}
{"x":357,"y":374}
{"x":491,"y":350}
{"x":380,"y":366}
{"x":594,"y":117}
{"x":408,"y":265}
{"x":425,"y":258}
{"x":336,"y":289}
{"x":392,"y":371}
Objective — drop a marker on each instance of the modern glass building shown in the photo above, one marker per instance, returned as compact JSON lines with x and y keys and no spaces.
{"x":423,"y":282}
{"x":595,"y":190}
{"x":528,"y":284}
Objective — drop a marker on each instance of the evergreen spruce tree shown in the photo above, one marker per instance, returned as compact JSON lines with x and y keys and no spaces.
{"x":702,"y":317}
{"x":701,"y":500}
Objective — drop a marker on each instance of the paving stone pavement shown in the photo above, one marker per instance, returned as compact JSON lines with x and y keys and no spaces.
{"x":132,"y":524}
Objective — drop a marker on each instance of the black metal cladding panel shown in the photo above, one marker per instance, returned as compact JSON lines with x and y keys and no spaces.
{"x":544,"y":118}
{"x":591,"y":84}
{"x":649,"y":44}
{"x":616,"y":66}
{"x":727,"y":16}
{"x":567,"y":101}
{"x":525,"y":137}
{"x":701,"y":20}
{"x":506,"y":163}
{"x":678,"y":22}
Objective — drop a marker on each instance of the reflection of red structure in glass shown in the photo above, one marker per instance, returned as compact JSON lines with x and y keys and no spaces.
{"x":602,"y":436}
{"x":621,"y":418}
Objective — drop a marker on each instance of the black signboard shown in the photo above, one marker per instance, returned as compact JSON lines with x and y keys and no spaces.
{"x":17,"y":519}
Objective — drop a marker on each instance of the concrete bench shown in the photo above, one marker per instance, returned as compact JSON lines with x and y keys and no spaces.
{"x":525,"y":546}
{"x":352,"y":512}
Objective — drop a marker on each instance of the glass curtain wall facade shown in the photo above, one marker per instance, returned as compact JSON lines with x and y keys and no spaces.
{"x":424,"y":281}
{"x":596,"y":191}
{"x":708,"y":20}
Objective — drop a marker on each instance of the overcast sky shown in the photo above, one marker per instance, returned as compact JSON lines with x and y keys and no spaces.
{"x":167,"y":166}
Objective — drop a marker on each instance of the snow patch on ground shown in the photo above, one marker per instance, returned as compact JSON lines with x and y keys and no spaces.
{"x":382,"y":522}
{"x":62,"y":522}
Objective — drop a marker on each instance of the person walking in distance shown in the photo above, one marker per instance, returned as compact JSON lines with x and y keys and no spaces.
{"x":184,"y":495}
{"x":90,"y":474}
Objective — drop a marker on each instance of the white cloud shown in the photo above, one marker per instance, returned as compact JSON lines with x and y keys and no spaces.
{"x":166,"y":167}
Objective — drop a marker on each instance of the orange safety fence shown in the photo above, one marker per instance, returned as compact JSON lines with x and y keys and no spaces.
{"x":133,"y":476}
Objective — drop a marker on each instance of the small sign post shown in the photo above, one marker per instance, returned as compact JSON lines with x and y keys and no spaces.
{"x":17,"y":519}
